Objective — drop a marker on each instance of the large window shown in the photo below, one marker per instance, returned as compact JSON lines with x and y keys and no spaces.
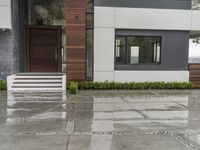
{"x":133,"y":50}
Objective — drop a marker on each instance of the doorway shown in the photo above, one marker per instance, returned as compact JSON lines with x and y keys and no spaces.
{"x":44,"y":48}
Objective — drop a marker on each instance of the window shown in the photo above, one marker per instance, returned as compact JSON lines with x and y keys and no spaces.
{"x":90,"y":21}
{"x":47,"y":12}
{"x":120,"y":50}
{"x":89,"y":41}
{"x":89,"y":55}
{"x":131,"y":50}
{"x":89,"y":6}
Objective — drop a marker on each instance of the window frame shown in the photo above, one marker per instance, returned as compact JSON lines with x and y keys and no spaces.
{"x":126,"y":50}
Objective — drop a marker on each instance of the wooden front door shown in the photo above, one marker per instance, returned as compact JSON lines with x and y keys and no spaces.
{"x":44,"y":48}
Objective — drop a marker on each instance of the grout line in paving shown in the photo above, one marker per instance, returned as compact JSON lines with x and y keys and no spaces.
{"x":138,"y":111}
{"x":67,"y":145}
{"x":184,"y":106}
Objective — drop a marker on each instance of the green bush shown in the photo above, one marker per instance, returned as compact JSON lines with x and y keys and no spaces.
{"x":133,"y":85}
{"x":73,"y":87}
{"x":3,"y":85}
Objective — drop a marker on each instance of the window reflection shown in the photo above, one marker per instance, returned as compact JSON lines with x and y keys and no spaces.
{"x":196,"y":4}
{"x":47,"y":12}
{"x":120,"y":50}
{"x":90,"y":20}
{"x":90,"y":6}
{"x":134,"y":56}
{"x":137,"y":50}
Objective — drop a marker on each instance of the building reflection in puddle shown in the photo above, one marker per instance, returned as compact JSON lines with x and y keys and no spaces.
{"x":158,"y":108}
{"x":138,"y":114}
{"x":34,"y":106}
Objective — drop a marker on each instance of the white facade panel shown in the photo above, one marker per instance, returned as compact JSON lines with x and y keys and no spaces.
{"x":5,"y":2}
{"x":144,"y":18}
{"x":103,"y":76}
{"x":142,"y":76}
{"x":163,"y":19}
{"x":104,"y":49}
{"x":5,"y":17}
{"x":151,"y":76}
{"x":196,"y":20}
{"x":104,"y":17}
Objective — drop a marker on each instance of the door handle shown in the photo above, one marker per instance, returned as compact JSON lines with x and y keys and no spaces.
{"x":56,"y":54}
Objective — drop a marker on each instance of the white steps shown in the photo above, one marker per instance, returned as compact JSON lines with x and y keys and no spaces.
{"x":37,"y":82}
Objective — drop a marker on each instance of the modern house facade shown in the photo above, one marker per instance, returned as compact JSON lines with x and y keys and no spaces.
{"x":100,"y":40}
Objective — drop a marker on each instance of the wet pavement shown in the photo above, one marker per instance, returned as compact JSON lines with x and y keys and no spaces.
{"x":101,"y":120}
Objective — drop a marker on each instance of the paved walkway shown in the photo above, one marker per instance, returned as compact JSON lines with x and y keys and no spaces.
{"x":118,"y":120}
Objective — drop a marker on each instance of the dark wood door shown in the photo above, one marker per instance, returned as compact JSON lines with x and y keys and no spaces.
{"x":44,"y":48}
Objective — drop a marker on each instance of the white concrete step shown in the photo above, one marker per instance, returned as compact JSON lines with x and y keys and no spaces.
{"x":38,"y":77}
{"x":36,"y":89}
{"x":37,"y":82}
{"x":37,"y":85}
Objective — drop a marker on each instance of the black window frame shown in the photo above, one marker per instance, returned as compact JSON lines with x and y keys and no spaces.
{"x":126,"y":50}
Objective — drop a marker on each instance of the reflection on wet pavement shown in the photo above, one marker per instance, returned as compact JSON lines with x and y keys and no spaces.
{"x":108,"y":120}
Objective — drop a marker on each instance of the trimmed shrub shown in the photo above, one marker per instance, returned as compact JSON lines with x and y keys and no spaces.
{"x":73,"y":87}
{"x":3,"y":85}
{"x":133,"y":85}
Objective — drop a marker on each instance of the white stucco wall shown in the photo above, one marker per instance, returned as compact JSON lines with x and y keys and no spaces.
{"x":5,"y":14}
{"x":153,"y":76}
{"x":103,"y":53}
{"x":152,"y":19}
{"x":5,"y":2}
{"x":142,"y":76}
{"x":107,"y":19}
{"x":143,"y":18}
{"x":196,"y":20}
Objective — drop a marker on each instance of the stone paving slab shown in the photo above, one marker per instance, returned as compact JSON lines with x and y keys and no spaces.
{"x":33,"y":142}
{"x":125,"y":142}
{"x":33,"y":127}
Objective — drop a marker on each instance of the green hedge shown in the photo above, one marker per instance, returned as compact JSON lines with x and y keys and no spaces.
{"x":128,"y":86}
{"x":3,"y":85}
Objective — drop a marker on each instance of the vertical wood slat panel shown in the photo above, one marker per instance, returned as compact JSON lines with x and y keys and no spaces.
{"x":195,"y":74}
{"x":76,"y":37}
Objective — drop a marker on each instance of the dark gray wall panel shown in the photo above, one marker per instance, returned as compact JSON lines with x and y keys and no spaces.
{"x":19,"y":21}
{"x":6,"y":53}
{"x":166,"y":4}
{"x":16,"y":48}
{"x":23,"y":21}
{"x":12,"y":42}
{"x":174,"y":50}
